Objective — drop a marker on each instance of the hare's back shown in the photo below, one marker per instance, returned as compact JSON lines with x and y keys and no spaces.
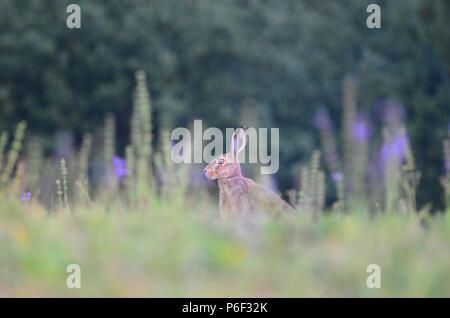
{"x":264,"y":200}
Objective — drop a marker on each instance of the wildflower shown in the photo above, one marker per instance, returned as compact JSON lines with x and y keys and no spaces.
{"x":361,"y":130}
{"x":391,"y":112}
{"x":395,"y":149}
{"x":120,"y":166}
{"x":337,"y":176}
{"x":25,"y":197}
{"x":273,"y":183}
{"x":322,"y":120}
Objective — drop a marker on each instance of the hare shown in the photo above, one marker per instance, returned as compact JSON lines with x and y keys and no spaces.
{"x":238,"y":195}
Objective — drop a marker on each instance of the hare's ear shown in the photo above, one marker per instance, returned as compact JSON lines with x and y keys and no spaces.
{"x":238,"y":141}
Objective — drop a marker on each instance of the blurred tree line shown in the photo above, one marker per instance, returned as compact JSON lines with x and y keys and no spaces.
{"x":207,"y":59}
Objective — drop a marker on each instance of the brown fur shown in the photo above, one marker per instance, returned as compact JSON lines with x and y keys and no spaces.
{"x":241,"y":196}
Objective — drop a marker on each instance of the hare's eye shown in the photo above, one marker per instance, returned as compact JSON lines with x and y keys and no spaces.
{"x":220,"y":161}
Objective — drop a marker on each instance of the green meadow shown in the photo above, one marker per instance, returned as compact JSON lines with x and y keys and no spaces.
{"x":180,"y":249}
{"x":143,"y":229}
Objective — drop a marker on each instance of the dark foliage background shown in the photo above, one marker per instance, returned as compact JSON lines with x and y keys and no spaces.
{"x":206,"y":59}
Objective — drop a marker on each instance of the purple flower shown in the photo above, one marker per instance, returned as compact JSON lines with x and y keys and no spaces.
{"x":399,"y":145}
{"x":360,"y":130}
{"x":337,"y":176}
{"x":322,"y":120}
{"x":121,"y":167}
{"x":395,"y":149}
{"x":274,"y":180}
{"x":26,"y":196}
{"x":391,"y":112}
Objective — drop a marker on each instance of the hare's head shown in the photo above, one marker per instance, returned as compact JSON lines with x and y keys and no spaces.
{"x":227,"y":165}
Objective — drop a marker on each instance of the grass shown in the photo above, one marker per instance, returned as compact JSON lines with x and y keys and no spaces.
{"x":163,"y":251}
{"x":138,"y":227}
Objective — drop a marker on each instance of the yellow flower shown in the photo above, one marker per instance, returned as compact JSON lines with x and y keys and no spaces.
{"x":20,"y":234}
{"x":232,"y":254}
